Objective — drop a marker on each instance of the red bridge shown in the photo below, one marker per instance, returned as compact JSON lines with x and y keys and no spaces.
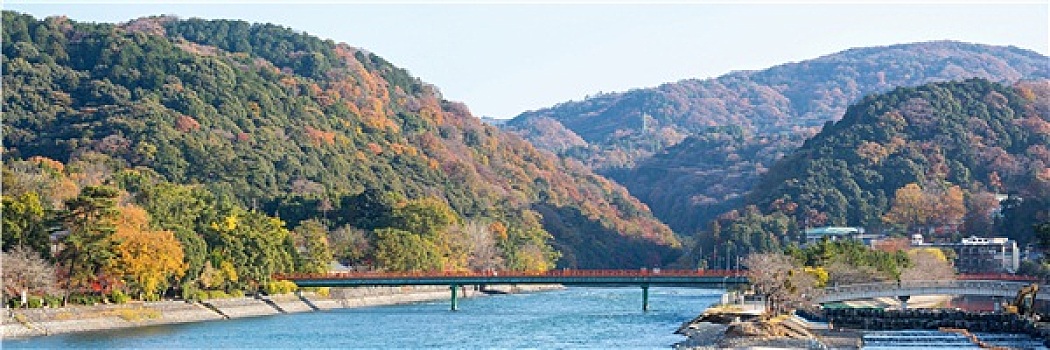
{"x":642,"y":277}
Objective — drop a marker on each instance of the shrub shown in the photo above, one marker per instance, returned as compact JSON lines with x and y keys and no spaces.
{"x":53,"y":300}
{"x":198,"y":295}
{"x":320,"y":291}
{"x":35,"y":302}
{"x":14,"y":303}
{"x":76,"y":299}
{"x":237,"y":293}
{"x":85,"y":299}
{"x":118,"y":297}
{"x":280,"y":287}
{"x":217,"y":294}
{"x":190,"y":292}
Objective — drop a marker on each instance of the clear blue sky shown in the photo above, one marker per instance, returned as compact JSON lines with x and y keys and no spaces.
{"x":503,"y":59}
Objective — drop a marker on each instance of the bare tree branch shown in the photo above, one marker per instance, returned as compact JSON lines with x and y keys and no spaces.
{"x":24,"y":270}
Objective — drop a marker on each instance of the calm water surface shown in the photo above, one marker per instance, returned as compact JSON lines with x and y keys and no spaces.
{"x":571,"y":318}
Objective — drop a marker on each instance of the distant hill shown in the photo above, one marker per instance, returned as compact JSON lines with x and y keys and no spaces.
{"x":301,"y":127}
{"x":649,"y":139}
{"x":956,"y":144}
{"x":976,"y":134}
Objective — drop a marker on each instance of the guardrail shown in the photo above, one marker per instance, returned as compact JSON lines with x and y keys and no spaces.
{"x":454,"y":279}
{"x":1003,"y":288}
{"x":482,"y":274}
{"x":996,"y":277}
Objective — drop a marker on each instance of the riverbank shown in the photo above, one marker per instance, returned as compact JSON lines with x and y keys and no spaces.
{"x":22,"y":323}
{"x":717,"y":331}
{"x":742,"y":326}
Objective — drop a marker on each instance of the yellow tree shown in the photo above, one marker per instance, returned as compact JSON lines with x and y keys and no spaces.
{"x":909,"y":208}
{"x":432,"y":220}
{"x":532,"y":257}
{"x":147,"y":260}
{"x":916,"y":207}
{"x":949,"y":206}
{"x":454,"y":247}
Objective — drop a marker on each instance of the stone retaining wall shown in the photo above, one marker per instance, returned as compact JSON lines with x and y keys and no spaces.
{"x":875,"y":319}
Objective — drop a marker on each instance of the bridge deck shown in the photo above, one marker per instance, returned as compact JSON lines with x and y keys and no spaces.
{"x":992,"y":288}
{"x":997,"y":285}
{"x":708,"y":278}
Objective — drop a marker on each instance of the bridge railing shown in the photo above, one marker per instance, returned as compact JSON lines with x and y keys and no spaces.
{"x":997,"y":277}
{"x":551,"y":273}
{"x":986,"y":285}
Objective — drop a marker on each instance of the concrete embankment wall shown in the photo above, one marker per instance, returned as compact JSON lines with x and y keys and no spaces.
{"x":242,"y":307}
{"x":38,"y":322}
{"x":375,"y":296}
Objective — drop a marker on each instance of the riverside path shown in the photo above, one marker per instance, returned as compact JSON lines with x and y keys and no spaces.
{"x":641,"y":277}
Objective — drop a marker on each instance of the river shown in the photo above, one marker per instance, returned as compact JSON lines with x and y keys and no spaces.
{"x":931,"y":339}
{"x":569,"y":318}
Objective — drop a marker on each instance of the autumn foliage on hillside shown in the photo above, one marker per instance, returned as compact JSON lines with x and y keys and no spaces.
{"x":692,"y":149}
{"x":261,"y":149}
{"x":927,"y":160}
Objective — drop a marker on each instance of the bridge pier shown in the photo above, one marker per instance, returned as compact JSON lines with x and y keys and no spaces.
{"x":454,"y":289}
{"x":904,"y":301}
{"x":645,"y":297}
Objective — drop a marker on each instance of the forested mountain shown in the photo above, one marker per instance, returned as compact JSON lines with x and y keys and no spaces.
{"x":257,"y":146}
{"x":705,"y":175}
{"x":925,"y":159}
{"x":630,"y":136}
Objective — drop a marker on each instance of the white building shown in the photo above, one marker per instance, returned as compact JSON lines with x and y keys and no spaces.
{"x":981,"y":255}
{"x":834,"y":233}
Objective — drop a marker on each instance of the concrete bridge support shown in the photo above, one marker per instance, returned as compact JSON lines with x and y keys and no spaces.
{"x":904,"y":301}
{"x":454,"y":293}
{"x":454,"y":288}
{"x":645,"y":298}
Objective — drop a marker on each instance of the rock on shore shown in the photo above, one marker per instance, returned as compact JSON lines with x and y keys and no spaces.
{"x":741,"y":328}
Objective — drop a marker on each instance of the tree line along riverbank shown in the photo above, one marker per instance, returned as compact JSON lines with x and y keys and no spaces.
{"x":21,"y":323}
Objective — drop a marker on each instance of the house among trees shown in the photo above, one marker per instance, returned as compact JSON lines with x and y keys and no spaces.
{"x":979,"y":254}
{"x":835,"y":233}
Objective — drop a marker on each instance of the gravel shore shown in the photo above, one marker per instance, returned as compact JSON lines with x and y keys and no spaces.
{"x":741,"y":326}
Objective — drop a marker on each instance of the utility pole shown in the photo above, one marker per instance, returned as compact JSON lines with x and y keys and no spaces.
{"x":701,"y":258}
{"x":727,"y":255}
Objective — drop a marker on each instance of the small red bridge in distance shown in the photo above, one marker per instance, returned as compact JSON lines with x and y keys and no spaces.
{"x":641,"y":277}
{"x":996,"y":277}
